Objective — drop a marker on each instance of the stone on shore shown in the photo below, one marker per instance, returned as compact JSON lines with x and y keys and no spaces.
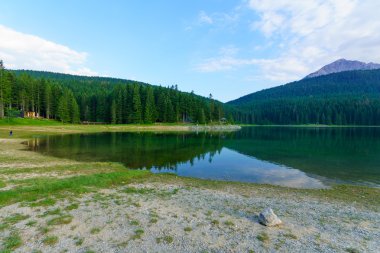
{"x":269,"y":218}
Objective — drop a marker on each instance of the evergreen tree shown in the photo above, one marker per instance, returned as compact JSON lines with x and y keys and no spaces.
{"x":113,"y":112}
{"x":63,"y":109}
{"x":201,"y":116}
{"x":137,"y":110}
{"x":149,"y":115}
{"x":73,"y":109}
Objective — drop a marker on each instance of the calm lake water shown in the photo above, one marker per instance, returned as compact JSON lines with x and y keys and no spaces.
{"x":294,"y":157}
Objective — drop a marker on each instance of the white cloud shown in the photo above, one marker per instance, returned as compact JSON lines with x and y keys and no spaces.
{"x":25,"y":51}
{"x":306,"y":35}
{"x":203,"y":18}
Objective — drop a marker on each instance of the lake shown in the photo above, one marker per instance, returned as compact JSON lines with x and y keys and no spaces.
{"x":287,"y":156}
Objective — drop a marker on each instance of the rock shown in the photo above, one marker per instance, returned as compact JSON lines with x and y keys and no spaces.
{"x":269,"y":218}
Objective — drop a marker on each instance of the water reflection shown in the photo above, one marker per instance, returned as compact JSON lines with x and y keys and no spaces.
{"x":295,"y":157}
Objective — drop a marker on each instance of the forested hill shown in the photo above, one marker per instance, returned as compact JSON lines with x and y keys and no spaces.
{"x":351,"y":97}
{"x":343,"y":83}
{"x":71,"y":98}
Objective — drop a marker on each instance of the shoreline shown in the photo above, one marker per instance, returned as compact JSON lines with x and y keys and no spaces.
{"x":50,"y":203}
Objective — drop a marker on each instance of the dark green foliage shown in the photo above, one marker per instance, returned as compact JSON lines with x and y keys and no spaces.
{"x":72,"y":99}
{"x":346,"y":98}
{"x":137,"y":110}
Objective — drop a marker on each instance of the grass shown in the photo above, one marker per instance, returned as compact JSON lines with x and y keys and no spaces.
{"x":263,"y":237}
{"x":229,"y":223}
{"x":50,"y":240}
{"x":352,"y":250}
{"x":134,"y":223}
{"x":27,"y":128}
{"x":166,"y":239}
{"x":71,"y":207}
{"x":187,"y":229}
{"x":95,"y":230}
{"x":153,"y":220}
{"x":78,"y":241}
{"x":138,"y":233}
{"x":42,"y":188}
{"x":31,"y":223}
{"x":2,"y":184}
{"x":55,"y":211}
{"x":60,"y":220}
{"x":12,"y":242}
{"x":215,"y":222}
{"x":15,"y":218}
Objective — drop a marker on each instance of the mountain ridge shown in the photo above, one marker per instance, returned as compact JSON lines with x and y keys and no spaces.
{"x":342,"y":65}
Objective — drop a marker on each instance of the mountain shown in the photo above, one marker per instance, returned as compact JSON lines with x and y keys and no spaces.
{"x":350,"y":97}
{"x":343,"y":65}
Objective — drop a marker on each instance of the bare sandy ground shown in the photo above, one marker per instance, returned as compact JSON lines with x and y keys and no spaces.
{"x":172,"y":218}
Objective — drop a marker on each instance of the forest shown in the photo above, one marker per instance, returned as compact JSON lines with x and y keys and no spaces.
{"x":75,"y":99}
{"x":346,"y":98}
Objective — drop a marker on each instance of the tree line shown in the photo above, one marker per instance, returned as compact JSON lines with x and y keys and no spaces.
{"x":73,"y":99}
{"x":343,"y":110}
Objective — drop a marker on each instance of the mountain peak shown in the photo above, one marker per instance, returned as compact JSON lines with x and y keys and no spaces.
{"x":343,"y":65}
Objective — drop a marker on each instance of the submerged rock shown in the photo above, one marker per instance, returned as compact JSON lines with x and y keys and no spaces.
{"x":269,"y":218}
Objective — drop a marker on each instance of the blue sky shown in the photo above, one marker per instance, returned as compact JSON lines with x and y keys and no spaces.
{"x":227,"y":48}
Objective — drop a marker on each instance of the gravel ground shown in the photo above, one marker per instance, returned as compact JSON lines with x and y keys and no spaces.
{"x":161,"y":217}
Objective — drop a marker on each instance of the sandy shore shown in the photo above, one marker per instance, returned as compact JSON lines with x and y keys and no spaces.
{"x":170,"y":214}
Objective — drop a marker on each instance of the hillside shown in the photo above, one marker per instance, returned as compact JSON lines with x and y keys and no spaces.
{"x":71,"y":98}
{"x":351,"y":97}
{"x":343,"y":65}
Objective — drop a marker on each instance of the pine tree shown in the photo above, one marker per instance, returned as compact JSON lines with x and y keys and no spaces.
{"x":149,"y":115}
{"x":113,"y":112}
{"x":74,"y":112}
{"x":136,"y":113}
{"x":47,"y":101}
{"x":201,"y":116}
{"x":63,"y":109}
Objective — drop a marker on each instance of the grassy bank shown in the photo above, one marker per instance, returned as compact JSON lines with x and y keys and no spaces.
{"x":28,"y":128}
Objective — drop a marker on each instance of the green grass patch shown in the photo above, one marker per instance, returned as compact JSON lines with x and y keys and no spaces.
{"x":12,"y":242}
{"x":50,"y":240}
{"x":55,"y":211}
{"x":95,"y":230}
{"x":138,"y":234}
{"x":4,"y":226}
{"x":229,"y":223}
{"x":43,"y":188}
{"x":134,"y":223}
{"x":15,"y":218}
{"x":166,"y":239}
{"x":215,"y":222}
{"x":153,"y":220}
{"x":263,"y":237}
{"x":2,"y":184}
{"x":60,"y":220}
{"x":187,"y":229}
{"x":42,"y":202}
{"x":28,"y":122}
{"x":31,"y":223}
{"x":71,"y":207}
{"x":132,"y":190}
{"x":78,"y":241}
{"x":352,"y":250}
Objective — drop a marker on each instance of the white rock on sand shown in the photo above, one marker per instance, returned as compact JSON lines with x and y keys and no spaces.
{"x":269,"y":218}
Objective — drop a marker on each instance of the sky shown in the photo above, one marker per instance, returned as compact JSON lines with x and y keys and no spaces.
{"x":223,"y":47}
